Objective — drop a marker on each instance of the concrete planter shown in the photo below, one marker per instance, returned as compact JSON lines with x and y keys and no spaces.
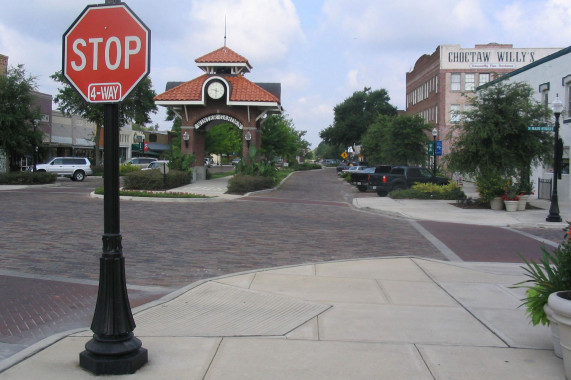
{"x":511,"y":206}
{"x":522,"y":203}
{"x":497,"y":203}
{"x":560,"y":304}
{"x":554,"y":331}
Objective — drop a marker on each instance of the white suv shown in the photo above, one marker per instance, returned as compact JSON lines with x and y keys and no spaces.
{"x":76,"y":168}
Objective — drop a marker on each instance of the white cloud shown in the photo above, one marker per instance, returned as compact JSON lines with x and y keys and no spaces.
{"x":260,"y":30}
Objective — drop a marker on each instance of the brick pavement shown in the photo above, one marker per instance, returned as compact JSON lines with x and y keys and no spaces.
{"x":58,"y":233}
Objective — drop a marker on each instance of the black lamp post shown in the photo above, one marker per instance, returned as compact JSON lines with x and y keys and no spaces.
{"x":434,"y":134}
{"x":554,"y":216}
{"x":186,"y":137}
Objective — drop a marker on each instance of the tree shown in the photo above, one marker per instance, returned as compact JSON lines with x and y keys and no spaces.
{"x":400,"y":140}
{"x":280,"y":139}
{"x":136,"y":108}
{"x":355,"y":114}
{"x":325,"y":150}
{"x":223,"y":139}
{"x":17,"y":115}
{"x":494,"y":137}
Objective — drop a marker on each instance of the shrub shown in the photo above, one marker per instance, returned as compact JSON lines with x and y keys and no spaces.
{"x":128,"y":168}
{"x":450,"y":191}
{"x":98,"y":170}
{"x":154,"y":180}
{"x":262,"y":169}
{"x":242,"y":184}
{"x":490,"y":186}
{"x":306,"y":166}
{"x":27,"y":178}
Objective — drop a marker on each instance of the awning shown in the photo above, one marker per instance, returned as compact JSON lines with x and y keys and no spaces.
{"x":158,"y":147}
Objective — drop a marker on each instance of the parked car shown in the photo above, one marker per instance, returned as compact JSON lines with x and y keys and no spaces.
{"x":362,"y":178}
{"x":162,"y":165}
{"x":352,"y":169}
{"x":75,"y":168}
{"x":208,"y":162}
{"x":236,"y":161}
{"x":141,"y":162}
{"x":403,"y":177}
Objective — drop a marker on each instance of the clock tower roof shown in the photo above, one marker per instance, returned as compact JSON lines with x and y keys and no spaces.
{"x":223,"y":61}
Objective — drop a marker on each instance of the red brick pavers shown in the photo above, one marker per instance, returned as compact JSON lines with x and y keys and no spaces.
{"x":487,"y":244}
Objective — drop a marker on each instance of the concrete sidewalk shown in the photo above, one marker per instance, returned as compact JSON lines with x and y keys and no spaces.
{"x":389,"y":318}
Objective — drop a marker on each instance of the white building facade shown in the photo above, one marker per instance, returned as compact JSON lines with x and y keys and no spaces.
{"x":551,"y":77}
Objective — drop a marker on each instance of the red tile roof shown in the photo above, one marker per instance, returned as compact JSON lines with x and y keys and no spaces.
{"x":223,"y":55}
{"x":242,"y":90}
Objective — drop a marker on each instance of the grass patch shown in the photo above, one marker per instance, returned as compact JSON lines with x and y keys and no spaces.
{"x":152,"y":194}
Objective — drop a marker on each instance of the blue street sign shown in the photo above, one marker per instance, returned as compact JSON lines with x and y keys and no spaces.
{"x":439,"y":148}
{"x":536,"y":128}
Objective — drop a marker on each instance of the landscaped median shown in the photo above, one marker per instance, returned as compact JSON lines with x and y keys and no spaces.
{"x":153,"y":194}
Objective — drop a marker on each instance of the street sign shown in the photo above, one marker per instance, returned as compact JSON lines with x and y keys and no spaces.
{"x":344,"y":155}
{"x":439,"y":148}
{"x":106,"y":53}
{"x":536,"y":128}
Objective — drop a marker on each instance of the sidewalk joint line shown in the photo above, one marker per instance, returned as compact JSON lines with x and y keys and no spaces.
{"x":443,"y":248}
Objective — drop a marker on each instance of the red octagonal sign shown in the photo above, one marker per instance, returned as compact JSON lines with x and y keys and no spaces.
{"x":106,"y":53}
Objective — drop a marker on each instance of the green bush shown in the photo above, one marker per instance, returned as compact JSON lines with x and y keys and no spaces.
{"x":242,"y":184}
{"x":154,"y":180}
{"x":128,"y":168}
{"x":306,"y":166}
{"x":490,"y":186}
{"x":97,"y":170}
{"x":450,"y":191}
{"x":27,"y":178}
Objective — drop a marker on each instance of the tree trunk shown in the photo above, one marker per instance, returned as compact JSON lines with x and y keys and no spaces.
{"x":97,"y":152}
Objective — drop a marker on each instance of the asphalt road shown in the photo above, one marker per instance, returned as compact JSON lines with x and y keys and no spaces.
{"x":51,"y":243}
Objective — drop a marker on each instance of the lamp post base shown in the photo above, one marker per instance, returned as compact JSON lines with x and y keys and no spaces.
{"x":553,"y":218}
{"x":113,"y":365}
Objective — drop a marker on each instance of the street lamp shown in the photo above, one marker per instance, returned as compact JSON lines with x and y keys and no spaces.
{"x":248,"y":137}
{"x":557,"y":107}
{"x":186,"y":137}
{"x":434,"y":134}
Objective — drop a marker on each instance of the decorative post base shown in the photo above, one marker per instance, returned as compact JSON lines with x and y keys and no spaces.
{"x":113,"y":365}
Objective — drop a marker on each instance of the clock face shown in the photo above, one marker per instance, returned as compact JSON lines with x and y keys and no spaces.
{"x":216,"y":90}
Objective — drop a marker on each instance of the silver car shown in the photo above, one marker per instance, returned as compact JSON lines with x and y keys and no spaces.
{"x":141,"y":162}
{"x":76,"y":168}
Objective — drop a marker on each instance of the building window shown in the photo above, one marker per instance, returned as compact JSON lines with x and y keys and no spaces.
{"x":455,"y":82}
{"x":470,"y":82}
{"x":152,"y":137}
{"x":483,"y":79}
{"x":568,"y":95}
{"x":455,"y":113}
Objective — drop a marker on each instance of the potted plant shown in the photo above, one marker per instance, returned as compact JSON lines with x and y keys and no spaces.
{"x":550,"y":275}
{"x":511,"y":197}
{"x":491,"y":186}
{"x":525,"y":190}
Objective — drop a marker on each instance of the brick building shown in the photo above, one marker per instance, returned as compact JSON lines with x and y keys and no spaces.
{"x":437,"y":85}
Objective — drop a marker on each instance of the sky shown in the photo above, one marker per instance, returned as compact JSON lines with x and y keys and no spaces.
{"x":321,"y":51}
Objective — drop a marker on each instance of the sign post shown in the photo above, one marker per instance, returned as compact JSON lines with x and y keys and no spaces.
{"x":105,"y":55}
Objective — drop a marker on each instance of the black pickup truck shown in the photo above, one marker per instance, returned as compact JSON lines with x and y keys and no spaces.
{"x":362,"y":180}
{"x":403,"y":177}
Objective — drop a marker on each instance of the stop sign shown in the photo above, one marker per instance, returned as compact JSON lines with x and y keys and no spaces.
{"x":106,"y":52}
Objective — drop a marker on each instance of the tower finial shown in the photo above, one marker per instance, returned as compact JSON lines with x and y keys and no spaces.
{"x":224,"y":30}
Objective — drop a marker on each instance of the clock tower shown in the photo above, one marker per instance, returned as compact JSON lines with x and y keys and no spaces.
{"x":221,"y":95}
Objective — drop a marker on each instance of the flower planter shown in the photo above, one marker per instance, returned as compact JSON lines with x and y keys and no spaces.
{"x":554,"y":326}
{"x":560,"y":304}
{"x":497,"y":203}
{"x":522,"y":203}
{"x":511,"y":206}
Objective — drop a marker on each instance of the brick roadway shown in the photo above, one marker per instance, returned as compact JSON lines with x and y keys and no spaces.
{"x":51,"y":243}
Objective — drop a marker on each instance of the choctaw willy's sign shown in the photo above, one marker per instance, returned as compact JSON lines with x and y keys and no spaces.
{"x":454,"y":57}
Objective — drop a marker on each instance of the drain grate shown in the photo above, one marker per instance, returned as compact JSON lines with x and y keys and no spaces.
{"x":214,"y":309}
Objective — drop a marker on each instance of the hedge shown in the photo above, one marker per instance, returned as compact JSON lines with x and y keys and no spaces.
{"x":27,"y":178}
{"x":154,"y":180}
